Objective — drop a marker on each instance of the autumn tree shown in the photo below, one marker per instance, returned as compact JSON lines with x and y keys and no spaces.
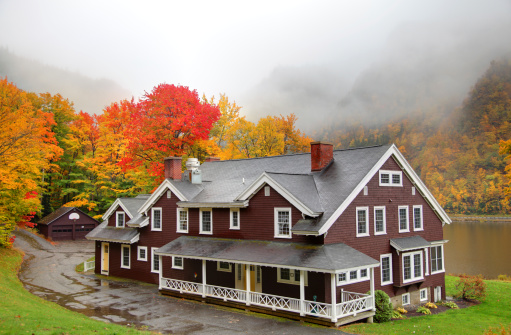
{"x":27,"y":145}
{"x":167,"y":121}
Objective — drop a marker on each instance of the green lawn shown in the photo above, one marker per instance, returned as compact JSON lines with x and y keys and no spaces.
{"x":24,"y":313}
{"x":493,"y":312}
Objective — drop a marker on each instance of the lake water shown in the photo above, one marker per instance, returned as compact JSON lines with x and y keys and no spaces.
{"x":478,"y":248}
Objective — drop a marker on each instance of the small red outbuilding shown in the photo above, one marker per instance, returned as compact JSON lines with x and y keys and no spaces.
{"x":66,"y":223}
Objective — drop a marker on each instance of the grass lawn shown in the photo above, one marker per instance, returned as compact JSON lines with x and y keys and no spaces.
{"x":24,"y":313}
{"x":493,"y":312}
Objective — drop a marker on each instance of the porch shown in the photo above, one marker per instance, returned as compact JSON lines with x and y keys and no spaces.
{"x":352,"y":304}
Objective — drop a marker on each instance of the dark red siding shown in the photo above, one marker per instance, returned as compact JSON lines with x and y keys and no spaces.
{"x":64,"y":228}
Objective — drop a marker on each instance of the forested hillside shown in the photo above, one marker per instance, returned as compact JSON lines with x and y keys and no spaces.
{"x":454,"y":150}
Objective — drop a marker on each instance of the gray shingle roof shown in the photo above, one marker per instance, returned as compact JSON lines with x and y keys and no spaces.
{"x":133,"y":204}
{"x":112,"y":234}
{"x":330,"y":258}
{"x":322,"y":191}
{"x":409,"y":243}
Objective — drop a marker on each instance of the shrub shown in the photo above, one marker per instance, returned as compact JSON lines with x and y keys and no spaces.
{"x":383,"y":307}
{"x":423,"y":310}
{"x":401,"y":310}
{"x":397,"y":315}
{"x":470,"y":288}
{"x":430,"y":305}
{"x":504,"y":278}
{"x":450,"y":304}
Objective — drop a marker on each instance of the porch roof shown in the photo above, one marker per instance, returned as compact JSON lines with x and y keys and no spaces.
{"x":409,"y":243}
{"x":329,"y":258}
{"x":112,"y":234}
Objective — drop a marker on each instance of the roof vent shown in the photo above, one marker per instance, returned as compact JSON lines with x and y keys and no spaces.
{"x":192,"y":164}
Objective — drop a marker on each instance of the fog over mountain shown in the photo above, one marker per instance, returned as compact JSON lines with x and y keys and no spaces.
{"x":422,"y":65}
{"x":87,"y":94}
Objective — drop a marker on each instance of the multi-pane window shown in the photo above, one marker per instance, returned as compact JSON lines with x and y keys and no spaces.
{"x":283,"y":222}
{"x":125,"y":253}
{"x":177,"y":263}
{"x":417,"y":217}
{"x":437,"y":262}
{"x":290,"y":276}
{"x":182,"y":220}
{"x":424,"y":294}
{"x":119,"y":222}
{"x":412,"y":266}
{"x":386,"y":269}
{"x":206,"y":221}
{"x":341,"y":277}
{"x":142,"y":253}
{"x":403,"y":219}
{"x":379,"y":221}
{"x":156,"y":219}
{"x":406,"y":299}
{"x":391,"y":178}
{"x":363,"y":273}
{"x":155,"y":261}
{"x":223,"y":266}
{"x":362,"y":219}
{"x":235,"y":218}
{"x":353,"y":275}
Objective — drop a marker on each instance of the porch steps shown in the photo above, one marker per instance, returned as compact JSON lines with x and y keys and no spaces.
{"x":269,"y":311}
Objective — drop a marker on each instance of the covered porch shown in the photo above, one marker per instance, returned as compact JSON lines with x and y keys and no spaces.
{"x":304,"y":267}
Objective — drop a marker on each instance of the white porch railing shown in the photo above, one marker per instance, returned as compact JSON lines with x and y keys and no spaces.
{"x":351,"y":303}
{"x":89,"y":265}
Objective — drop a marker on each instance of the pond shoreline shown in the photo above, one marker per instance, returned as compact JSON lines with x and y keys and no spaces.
{"x":481,"y":218}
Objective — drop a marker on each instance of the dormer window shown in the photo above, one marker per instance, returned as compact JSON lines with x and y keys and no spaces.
{"x":119,"y":219}
{"x":391,"y":178}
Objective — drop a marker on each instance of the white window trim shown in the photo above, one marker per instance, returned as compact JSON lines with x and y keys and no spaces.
{"x":117,"y":219}
{"x":426,"y":261}
{"x":391,"y":173}
{"x":425,"y":295}
{"x":218,"y":268}
{"x":178,"y":219}
{"x":169,"y":194}
{"x":366,"y":210}
{"x":407,"y":230}
{"x":412,"y":266}
{"x":407,"y":295}
{"x":422,"y":218}
{"x":138,"y":254}
{"x":384,"y":220}
{"x":125,"y":246}
{"x":200,"y":221}
{"x":276,"y":221}
{"x":152,"y":218}
{"x":267,"y":191}
{"x":237,"y":210}
{"x":348,"y":277}
{"x":178,"y":267}
{"x":153,"y":270}
{"x":290,"y":281}
{"x":443,"y":259}
{"x":391,"y":281}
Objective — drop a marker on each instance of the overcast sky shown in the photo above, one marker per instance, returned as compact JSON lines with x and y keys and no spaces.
{"x":230,"y":47}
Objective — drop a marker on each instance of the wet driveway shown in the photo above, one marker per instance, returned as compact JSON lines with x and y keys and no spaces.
{"x":48,"y":271}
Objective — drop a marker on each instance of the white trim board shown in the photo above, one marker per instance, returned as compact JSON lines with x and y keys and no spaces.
{"x":113,"y":208}
{"x":164,"y":186}
{"x":416,"y":181}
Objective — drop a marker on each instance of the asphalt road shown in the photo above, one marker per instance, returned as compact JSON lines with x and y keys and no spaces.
{"x":48,"y":271}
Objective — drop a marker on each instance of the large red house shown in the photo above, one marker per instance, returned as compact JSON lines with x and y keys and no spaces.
{"x":308,"y":236}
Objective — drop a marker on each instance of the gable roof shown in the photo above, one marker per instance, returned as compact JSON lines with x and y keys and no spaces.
{"x":112,"y":234}
{"x":322,"y":196}
{"x":48,"y":219}
{"x":128,"y":205}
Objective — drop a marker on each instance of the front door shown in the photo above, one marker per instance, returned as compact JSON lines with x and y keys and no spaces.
{"x":255,"y":277}
{"x":104,"y":258}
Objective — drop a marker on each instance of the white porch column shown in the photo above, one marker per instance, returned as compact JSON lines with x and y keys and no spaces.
{"x":203,"y":278}
{"x":302,"y":293}
{"x":333,"y":290}
{"x":247,"y":278}
{"x":371,"y":287}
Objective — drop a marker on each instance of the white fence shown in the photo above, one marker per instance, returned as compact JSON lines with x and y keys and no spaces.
{"x":351,"y":303}
{"x":89,"y":265}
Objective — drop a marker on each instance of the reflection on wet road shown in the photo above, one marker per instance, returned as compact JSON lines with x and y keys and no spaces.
{"x":48,"y":271}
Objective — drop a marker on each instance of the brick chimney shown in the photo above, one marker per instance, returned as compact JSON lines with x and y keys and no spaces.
{"x":322,"y":153}
{"x":172,"y":167}
{"x":212,"y":159}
